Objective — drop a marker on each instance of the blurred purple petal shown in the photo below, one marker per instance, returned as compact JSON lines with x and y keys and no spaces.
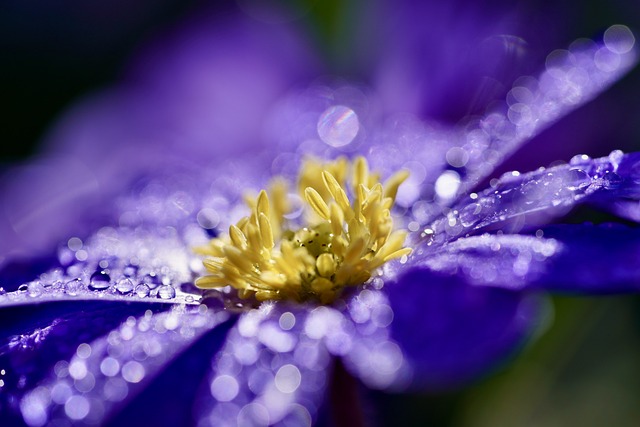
{"x":595,"y":259}
{"x":451,"y":333}
{"x":31,"y":345}
{"x":107,"y":373}
{"x":572,"y":78}
{"x":590,"y":259}
{"x":272,"y":370}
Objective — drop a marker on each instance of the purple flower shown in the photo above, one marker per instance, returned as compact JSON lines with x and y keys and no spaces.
{"x":121,"y":326}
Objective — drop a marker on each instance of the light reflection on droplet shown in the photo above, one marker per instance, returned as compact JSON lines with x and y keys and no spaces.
{"x":84,"y":351}
{"x":447,"y":185}
{"x":208,"y":218}
{"x":288,"y":379}
{"x":619,"y":39}
{"x":224,"y":388}
{"x":133,"y":372}
{"x":110,"y":367}
{"x":338,"y":126}
{"x":287,"y":320}
{"x":77,"y":369}
{"x":77,"y":407}
{"x":457,"y":157}
{"x":253,"y":414}
{"x":115,"y":389}
{"x":74,"y":244}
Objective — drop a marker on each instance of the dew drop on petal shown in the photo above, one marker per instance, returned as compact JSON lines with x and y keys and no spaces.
{"x":579,"y":160}
{"x":142,"y":290}
{"x":35,"y":289}
{"x":99,"y":280}
{"x":578,"y":179}
{"x":166,"y":292}
{"x":133,"y":372}
{"x":338,"y":126}
{"x":612,"y":180}
{"x":74,"y":243}
{"x":208,"y":218}
{"x":457,"y":157}
{"x":447,"y":185}
{"x":224,"y":388}
{"x":287,"y":320}
{"x":288,"y":379}
{"x":619,"y":39}
{"x":124,"y":286}
{"x":77,"y":407}
{"x":110,"y":367}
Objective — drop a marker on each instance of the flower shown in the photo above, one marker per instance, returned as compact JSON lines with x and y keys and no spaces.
{"x":461,"y":302}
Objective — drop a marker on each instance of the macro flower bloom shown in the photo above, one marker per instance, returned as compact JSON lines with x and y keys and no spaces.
{"x":121,"y":325}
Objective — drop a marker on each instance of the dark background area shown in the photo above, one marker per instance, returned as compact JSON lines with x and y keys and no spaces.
{"x":52,"y":53}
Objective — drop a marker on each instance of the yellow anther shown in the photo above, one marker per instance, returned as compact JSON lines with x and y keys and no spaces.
{"x":315,"y":200}
{"x":265,"y":231}
{"x":263,"y":203}
{"x":336,"y":190}
{"x":326,"y":265}
{"x":238,"y":238}
{"x":349,"y":234}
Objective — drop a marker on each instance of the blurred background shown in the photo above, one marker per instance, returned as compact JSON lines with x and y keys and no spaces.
{"x":584,"y":369}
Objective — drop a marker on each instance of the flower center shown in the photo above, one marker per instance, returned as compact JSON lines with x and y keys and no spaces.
{"x":346,"y":236}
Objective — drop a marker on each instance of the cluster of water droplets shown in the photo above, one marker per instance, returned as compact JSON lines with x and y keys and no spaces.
{"x":521,"y":198}
{"x":571,"y":78}
{"x":105,"y":372}
{"x":118,"y":264}
{"x":277,"y":360}
{"x":490,"y":259}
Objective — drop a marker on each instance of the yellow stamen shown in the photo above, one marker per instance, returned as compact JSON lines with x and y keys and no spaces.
{"x":345,"y":237}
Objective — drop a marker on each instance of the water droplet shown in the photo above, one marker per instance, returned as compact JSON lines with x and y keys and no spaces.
{"x":578,"y":179}
{"x":142,"y":290}
{"x":166,"y":292}
{"x":457,"y":157}
{"x":612,"y":180}
{"x":99,"y":280}
{"x":470,"y":214}
{"x":619,"y":39}
{"x":74,"y":243}
{"x":580,"y":160}
{"x":124,"y":286}
{"x":189,"y":298}
{"x":428,"y":236}
{"x":35,"y":289}
{"x":338,"y":126}
{"x":447,"y":185}
{"x":74,"y":287}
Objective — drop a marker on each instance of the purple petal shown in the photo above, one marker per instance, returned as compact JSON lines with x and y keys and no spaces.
{"x":595,"y":259}
{"x":271,"y":371}
{"x":509,"y":261}
{"x":451,"y":333}
{"x":572,"y":78}
{"x":588,"y":259}
{"x":106,"y":373}
{"x":625,"y":188}
{"x":118,"y":264}
{"x":523,"y":201}
{"x":32,"y":341}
